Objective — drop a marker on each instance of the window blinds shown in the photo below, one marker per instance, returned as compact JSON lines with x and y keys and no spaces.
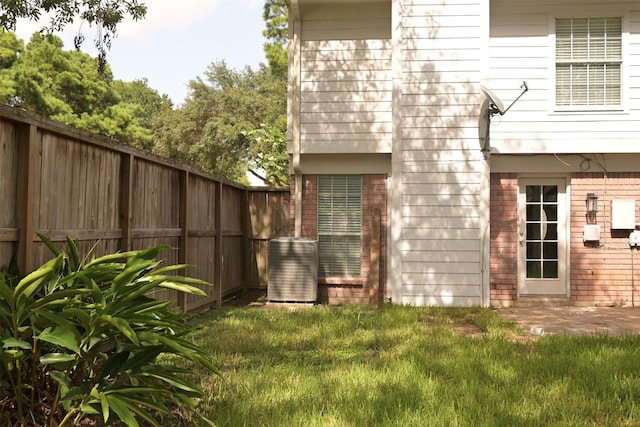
{"x":339,"y":225}
{"x":588,"y":61}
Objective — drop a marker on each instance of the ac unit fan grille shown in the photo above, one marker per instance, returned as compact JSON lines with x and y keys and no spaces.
{"x":293,"y":270}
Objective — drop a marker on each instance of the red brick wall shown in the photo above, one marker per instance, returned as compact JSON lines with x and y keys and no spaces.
{"x":504,"y":237}
{"x":601,"y":271}
{"x":374,"y":195}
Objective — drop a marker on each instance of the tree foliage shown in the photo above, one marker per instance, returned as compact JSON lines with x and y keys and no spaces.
{"x":212,"y":128}
{"x":106,"y":15}
{"x":150,"y":108}
{"x":139,"y":92}
{"x":10,"y":47}
{"x":67,"y":86}
{"x":276,"y":15}
{"x":268,"y":159}
{"x":54,"y":82}
{"x":233,"y":122}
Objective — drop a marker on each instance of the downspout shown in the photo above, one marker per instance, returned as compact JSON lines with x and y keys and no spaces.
{"x":485,"y":192}
{"x":294,"y":85}
{"x":395,"y":265}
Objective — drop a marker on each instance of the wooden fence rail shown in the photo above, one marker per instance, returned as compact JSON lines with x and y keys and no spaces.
{"x":59,"y":181}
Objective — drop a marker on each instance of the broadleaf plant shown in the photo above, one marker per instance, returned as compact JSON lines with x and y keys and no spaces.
{"x":80,"y":340}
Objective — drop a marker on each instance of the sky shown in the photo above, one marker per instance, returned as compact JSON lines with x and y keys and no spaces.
{"x":177,"y":41}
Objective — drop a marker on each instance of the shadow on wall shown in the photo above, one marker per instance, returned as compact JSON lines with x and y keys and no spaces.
{"x":350,"y":98}
{"x":443,"y":164}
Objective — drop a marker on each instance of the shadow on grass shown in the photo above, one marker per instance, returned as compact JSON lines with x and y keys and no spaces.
{"x":410,"y":366}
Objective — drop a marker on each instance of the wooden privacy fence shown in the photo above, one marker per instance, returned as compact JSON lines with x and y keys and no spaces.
{"x":59,"y":181}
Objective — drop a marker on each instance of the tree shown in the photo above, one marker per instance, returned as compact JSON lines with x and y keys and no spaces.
{"x":268,"y":159}
{"x":53,"y":82}
{"x":232,"y":123}
{"x":106,"y":15}
{"x":276,"y":15}
{"x":10,"y":47}
{"x":213,"y":128}
{"x":67,"y":86}
{"x":153,"y":105}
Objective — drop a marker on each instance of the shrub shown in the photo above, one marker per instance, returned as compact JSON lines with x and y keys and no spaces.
{"x":79,"y":340}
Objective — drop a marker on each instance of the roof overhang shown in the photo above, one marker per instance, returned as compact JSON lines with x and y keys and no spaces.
{"x":296,"y":6}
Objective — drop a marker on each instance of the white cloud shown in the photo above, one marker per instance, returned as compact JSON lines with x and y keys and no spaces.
{"x":167,"y":15}
{"x":255,"y":3}
{"x":173,"y":16}
{"x":162,"y":15}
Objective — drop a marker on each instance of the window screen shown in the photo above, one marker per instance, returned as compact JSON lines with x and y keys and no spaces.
{"x":339,"y":225}
{"x":588,"y":61}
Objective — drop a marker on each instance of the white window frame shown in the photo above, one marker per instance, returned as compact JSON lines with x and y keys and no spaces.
{"x":352,"y":221}
{"x":598,"y":12}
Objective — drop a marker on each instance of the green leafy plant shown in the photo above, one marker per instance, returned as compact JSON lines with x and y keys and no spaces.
{"x":79,"y":339}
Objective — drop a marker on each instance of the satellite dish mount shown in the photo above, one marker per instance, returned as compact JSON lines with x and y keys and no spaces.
{"x":495,"y":104}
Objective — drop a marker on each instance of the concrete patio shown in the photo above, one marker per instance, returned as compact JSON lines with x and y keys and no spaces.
{"x":575,"y":320}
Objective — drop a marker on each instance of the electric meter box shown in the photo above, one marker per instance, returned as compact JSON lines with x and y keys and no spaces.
{"x":623,"y":214}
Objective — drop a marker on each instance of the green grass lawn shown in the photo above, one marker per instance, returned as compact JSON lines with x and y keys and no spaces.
{"x":402,"y":366}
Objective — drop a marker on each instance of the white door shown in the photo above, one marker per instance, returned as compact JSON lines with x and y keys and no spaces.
{"x":542,"y":233}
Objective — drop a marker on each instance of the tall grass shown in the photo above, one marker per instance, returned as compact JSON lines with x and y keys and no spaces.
{"x":403,"y":366}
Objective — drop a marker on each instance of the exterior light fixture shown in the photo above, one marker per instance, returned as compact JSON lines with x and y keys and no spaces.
{"x":592,"y":203}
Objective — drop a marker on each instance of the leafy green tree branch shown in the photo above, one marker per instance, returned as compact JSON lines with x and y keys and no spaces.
{"x":105,"y":15}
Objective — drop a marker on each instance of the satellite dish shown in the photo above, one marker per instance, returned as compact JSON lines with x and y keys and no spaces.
{"x":496,"y":105}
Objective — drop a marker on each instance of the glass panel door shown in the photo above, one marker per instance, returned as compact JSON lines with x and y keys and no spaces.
{"x":542,"y":237}
{"x":542,"y":231}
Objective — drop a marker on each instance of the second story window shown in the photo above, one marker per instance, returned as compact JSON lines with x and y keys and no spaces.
{"x":588,"y":61}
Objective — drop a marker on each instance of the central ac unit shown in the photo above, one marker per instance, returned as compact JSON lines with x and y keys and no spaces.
{"x":293,"y":270}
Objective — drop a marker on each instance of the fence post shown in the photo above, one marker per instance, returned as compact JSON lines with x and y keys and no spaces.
{"x":217,"y":250}
{"x":183,"y":250}
{"x":244,"y":247}
{"x":27,"y":136}
{"x":374,"y":261}
{"x":126,"y":191}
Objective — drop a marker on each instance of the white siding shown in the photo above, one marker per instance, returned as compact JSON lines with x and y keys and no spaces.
{"x":346,"y":96}
{"x":522,"y":48}
{"x":343,"y":20}
{"x":345,"y":82}
{"x":437,"y":158}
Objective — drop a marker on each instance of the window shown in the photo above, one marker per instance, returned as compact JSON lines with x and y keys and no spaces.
{"x":588,"y":61}
{"x":339,"y":225}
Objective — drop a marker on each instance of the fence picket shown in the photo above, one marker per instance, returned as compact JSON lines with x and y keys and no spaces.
{"x":60,"y":181}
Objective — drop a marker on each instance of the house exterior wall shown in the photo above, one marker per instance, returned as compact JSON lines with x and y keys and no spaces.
{"x":504,"y":238}
{"x":522,"y":47}
{"x":439,"y":200}
{"x":391,"y":85}
{"x":600,"y":272}
{"x":595,"y":149}
{"x":340,"y":119}
{"x":391,"y":88}
{"x":374,"y":197}
{"x":345,"y":89}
